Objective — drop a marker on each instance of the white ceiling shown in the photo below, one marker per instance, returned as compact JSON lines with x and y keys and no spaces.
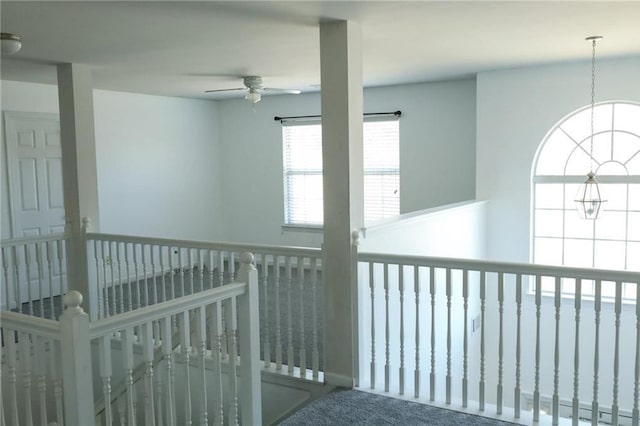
{"x":183,"y":48}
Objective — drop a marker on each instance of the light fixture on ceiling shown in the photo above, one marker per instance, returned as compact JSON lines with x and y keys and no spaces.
{"x":589,"y":199}
{"x":253,"y":95}
{"x":11,"y":43}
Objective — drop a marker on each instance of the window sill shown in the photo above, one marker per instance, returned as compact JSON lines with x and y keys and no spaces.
{"x":314,"y":229}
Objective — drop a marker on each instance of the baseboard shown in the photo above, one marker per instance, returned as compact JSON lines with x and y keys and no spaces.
{"x":339,"y":380}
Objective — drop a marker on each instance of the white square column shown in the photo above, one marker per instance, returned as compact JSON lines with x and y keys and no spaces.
{"x":342,"y":112}
{"x":79,"y":170}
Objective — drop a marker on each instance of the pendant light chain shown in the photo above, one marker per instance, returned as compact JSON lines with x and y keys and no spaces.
{"x":593,"y":98}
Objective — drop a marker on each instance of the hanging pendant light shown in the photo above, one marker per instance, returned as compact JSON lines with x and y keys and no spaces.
{"x":588,"y":199}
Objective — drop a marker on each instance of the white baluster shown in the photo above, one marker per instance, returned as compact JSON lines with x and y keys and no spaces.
{"x":416,"y":289}
{"x":536,"y":379}
{"x":500,"y":342}
{"x":104,"y":256}
{"x":128,"y":362}
{"x":303,"y":350}
{"x":202,"y":340}
{"x":212,"y":255}
{"x":448,"y":378}
{"x":163,"y":281}
{"x":172,"y":272}
{"x":432,"y":375}
{"x":5,"y":275}
{"x":16,"y":268}
{"x":314,"y":315}
{"x":516,"y":392}
{"x":576,"y":354}
{"x":41,"y":355}
{"x":616,"y":360}
{"x":216,"y":338}
{"x":99,"y":282}
{"x":597,"y":305}
{"x":61,"y":244}
{"x":233,"y":362}
{"x":483,"y":297}
{"x":154,"y":284}
{"x":147,"y":356}
{"x":10,"y":341}
{"x":114,"y":296}
{"x":201,"y":269}
{"x":373,"y":326}
{"x":191,"y":265}
{"x":636,"y":370}
{"x":25,"y":358}
{"x":289,"y":277}
{"x":276,"y":268}
{"x":27,"y":262}
{"x":118,"y":260}
{"x":401,"y":289}
{"x":167,"y":352}
{"x":264,"y":279}
{"x":128,"y":269}
{"x":50,"y":268}
{"x":56,"y":374}
{"x":465,"y":344}
{"x":40,"y":271}
{"x":145,"y":274}
{"x":105,"y":373}
{"x":387,"y":331}
{"x":556,"y":353}
{"x":185,"y":346}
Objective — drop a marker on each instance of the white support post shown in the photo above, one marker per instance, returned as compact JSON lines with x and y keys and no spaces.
{"x":249,"y":342}
{"x":79,"y":170}
{"x":76,"y":362}
{"x":342,"y":108}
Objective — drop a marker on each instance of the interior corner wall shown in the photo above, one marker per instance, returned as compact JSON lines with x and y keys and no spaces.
{"x":437,"y":154}
{"x":158,"y":161}
{"x":515,"y":110}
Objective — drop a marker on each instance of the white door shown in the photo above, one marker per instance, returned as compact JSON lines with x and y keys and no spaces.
{"x":34,"y":166}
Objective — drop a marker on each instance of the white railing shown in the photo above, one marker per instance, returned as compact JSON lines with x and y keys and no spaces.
{"x":133,"y":272}
{"x":34,"y":274}
{"x":471,"y":333}
{"x":172,"y":340}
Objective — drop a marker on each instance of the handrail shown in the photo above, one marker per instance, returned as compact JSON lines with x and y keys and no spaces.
{"x":30,"y":324}
{"x":160,"y":310}
{"x":280,"y":250}
{"x":12,"y":242}
{"x":504,"y":267}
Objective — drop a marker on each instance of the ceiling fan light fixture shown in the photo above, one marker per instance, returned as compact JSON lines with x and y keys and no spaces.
{"x":253,"y":96}
{"x":11,"y":43}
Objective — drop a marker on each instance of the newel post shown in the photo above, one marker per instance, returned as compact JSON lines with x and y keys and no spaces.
{"x":355,"y":311}
{"x":76,"y":362}
{"x":249,"y":342}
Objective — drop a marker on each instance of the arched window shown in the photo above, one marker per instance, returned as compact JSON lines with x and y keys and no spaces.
{"x":559,"y":235}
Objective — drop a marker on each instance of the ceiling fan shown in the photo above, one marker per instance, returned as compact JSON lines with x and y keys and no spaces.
{"x":254,"y":89}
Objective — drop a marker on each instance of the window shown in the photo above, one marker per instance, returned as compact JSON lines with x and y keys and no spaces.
{"x":560,"y":236}
{"x":302,"y":160}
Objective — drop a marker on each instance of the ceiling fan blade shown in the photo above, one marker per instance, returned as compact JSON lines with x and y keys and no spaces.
{"x":235,"y":89}
{"x":283,"y":91}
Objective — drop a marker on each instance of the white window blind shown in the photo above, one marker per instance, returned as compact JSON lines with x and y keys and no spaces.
{"x":302,"y":161}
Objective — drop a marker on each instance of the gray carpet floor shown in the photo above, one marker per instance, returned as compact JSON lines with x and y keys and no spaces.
{"x":352,"y":407}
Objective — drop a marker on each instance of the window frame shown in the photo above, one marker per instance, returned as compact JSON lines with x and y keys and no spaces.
{"x":566,"y":180}
{"x":371,"y":171}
